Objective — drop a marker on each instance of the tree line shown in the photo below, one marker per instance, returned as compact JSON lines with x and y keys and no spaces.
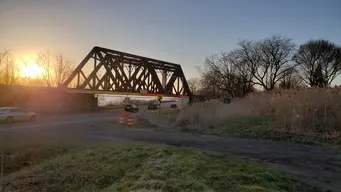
{"x":267,"y":64}
{"x":55,"y":69}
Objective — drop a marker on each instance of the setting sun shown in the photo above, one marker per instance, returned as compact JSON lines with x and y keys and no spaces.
{"x":32,"y":70}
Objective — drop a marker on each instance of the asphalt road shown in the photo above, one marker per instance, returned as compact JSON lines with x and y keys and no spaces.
{"x":59,"y":127}
{"x":63,"y":127}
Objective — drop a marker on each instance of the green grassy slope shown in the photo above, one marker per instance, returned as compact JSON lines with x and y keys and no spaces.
{"x":135,"y":167}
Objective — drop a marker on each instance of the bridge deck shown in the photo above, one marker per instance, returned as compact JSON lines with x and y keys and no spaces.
{"x":84,"y":91}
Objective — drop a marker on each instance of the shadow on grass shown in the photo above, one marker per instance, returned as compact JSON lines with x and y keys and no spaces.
{"x":137,"y":167}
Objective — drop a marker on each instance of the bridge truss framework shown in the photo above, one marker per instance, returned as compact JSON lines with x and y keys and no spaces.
{"x":105,"y":70}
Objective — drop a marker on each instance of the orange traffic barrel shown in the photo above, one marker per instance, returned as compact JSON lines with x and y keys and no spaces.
{"x":126,"y":113}
{"x":130,"y":121}
{"x":122,"y":119}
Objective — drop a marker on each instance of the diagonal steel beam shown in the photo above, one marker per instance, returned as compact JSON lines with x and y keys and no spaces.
{"x":100,"y":82}
{"x":170,"y":83}
{"x":142,"y":83}
{"x":155,"y":79}
{"x":79,"y":67}
{"x":124,"y":77}
{"x":84,"y":76}
{"x":119,"y":77}
{"x":92,"y":74}
{"x":133,"y":76}
{"x":109,"y":70}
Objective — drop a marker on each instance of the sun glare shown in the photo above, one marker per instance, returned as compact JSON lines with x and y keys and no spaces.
{"x":32,"y":70}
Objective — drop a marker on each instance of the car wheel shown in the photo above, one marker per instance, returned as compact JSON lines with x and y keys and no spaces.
{"x":33,"y":118}
{"x":9,"y":119}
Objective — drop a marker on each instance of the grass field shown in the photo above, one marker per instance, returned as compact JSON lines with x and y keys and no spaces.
{"x":133,"y":167}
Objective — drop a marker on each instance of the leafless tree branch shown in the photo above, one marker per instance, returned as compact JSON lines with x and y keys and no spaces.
{"x":319,"y":62}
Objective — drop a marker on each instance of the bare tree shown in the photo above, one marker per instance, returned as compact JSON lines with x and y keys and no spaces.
{"x":4,"y":67}
{"x":193,"y":84}
{"x":229,"y":73}
{"x":291,"y":79}
{"x":8,"y":74}
{"x":45,"y":60}
{"x":262,"y":63}
{"x":56,"y":68}
{"x":319,"y":62}
{"x":218,"y":74}
{"x":63,"y":67}
{"x":208,"y":82}
{"x":245,"y":62}
{"x":274,"y":59}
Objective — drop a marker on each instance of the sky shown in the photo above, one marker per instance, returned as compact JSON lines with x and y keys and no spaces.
{"x":178,"y":31}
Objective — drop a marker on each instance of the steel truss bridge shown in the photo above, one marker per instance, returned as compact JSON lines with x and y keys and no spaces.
{"x":109,"y":71}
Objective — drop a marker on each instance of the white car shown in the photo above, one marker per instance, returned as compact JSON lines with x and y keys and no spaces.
{"x":12,"y":114}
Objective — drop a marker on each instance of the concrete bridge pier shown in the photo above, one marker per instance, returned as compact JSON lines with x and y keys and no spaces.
{"x":46,"y":100}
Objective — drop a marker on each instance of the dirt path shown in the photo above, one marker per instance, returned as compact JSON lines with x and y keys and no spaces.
{"x":316,"y":165}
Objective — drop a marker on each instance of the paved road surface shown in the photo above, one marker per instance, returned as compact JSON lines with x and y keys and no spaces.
{"x":59,"y":127}
{"x":65,"y":126}
{"x":319,"y":166}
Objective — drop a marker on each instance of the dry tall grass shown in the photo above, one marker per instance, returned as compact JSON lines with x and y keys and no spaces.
{"x":311,"y":111}
{"x":214,"y":113}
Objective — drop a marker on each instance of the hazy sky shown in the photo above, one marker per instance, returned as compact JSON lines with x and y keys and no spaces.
{"x":180,"y":31}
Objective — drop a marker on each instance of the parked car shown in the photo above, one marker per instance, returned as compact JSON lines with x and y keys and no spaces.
{"x":131,"y":108}
{"x":152,"y":107}
{"x":174,"y":106}
{"x":13,"y":114}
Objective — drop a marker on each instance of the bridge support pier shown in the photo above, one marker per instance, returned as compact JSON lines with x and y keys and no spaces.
{"x":46,"y":100}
